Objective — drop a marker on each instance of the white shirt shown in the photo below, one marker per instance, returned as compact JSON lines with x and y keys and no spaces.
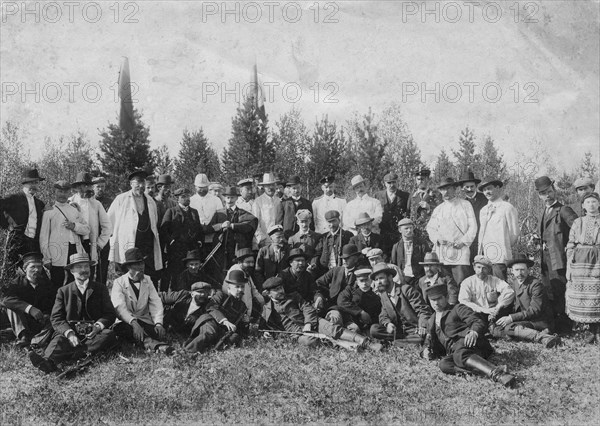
{"x":408,"y":251}
{"x":265,"y":209}
{"x":32,"y":219}
{"x":84,"y":208}
{"x":364,"y":204}
{"x":485,"y":296}
{"x":322,"y":205}
{"x":207,"y":206}
{"x":499,"y":230}
{"x":244,"y":205}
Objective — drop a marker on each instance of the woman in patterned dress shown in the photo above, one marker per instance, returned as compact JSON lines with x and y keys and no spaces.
{"x":583,"y":268}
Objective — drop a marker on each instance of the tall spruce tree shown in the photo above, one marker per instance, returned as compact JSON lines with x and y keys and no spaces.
{"x":163,"y":163}
{"x":249,"y":152}
{"x":290,"y":144}
{"x":196,"y":155}
{"x":443,"y":167}
{"x":491,"y":161}
{"x":466,"y":157}
{"x":589,"y":167}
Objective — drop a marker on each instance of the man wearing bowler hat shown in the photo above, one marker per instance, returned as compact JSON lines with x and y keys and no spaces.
{"x":63,"y":229}
{"x":554,"y":228}
{"x":267,"y":209}
{"x":163,"y":196}
{"x":329,"y":249}
{"x":135,"y":224}
{"x":81,"y":317}
{"x":254,"y":301}
{"x":434,"y":274}
{"x":327,"y":202}
{"x":395,"y":204}
{"x":409,"y":251}
{"x":469,"y":183}
{"x":363,"y":203}
{"x":139,"y":309}
{"x":180,"y":233}
{"x":452,"y":229}
{"x":296,"y":279}
{"x":292,"y":204}
{"x":21,"y":214}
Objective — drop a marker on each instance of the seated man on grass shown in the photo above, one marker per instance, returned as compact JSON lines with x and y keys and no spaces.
{"x":183,"y":308}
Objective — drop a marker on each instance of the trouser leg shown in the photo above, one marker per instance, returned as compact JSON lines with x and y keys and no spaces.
{"x":209,"y":333}
{"x":22,"y":323}
{"x":149,"y":341}
{"x":103,"y":341}
{"x":379,"y":331}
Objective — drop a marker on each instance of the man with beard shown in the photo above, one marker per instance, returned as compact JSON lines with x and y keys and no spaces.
{"x":452,"y":229}
{"x":63,"y":227}
{"x":469,"y":186}
{"x":163,"y":197}
{"x":306,"y":239}
{"x":139,"y":309}
{"x":363,"y":203}
{"x":395,"y":204}
{"x":409,"y":251}
{"x":487,"y":295}
{"x":435,"y":275}
{"x":329,"y":249}
{"x":94,"y":214}
{"x":134,"y":218}
{"x":252,"y":298}
{"x":183,"y":307}
{"x":81,"y":318}
{"x":296,"y":280}
{"x":21,"y":214}
{"x":267,"y":209}
{"x":457,"y":335}
{"x":292,"y":204}
{"x":192,"y":273}
{"x":375,"y":257}
{"x":180,"y":233}
{"x":246,"y":198}
{"x":327,"y":202}
{"x":99,"y":187}
{"x":404,"y":314}
{"x":365,"y":237}
{"x":150,"y":185}
{"x":28,"y":300}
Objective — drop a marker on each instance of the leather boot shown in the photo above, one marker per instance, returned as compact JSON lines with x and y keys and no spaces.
{"x":351,"y":336}
{"x":496,"y":373}
{"x":531,"y":335}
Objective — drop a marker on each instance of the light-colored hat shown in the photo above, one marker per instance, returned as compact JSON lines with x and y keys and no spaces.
{"x":215,"y":185}
{"x":356,"y":180}
{"x":482,"y":260}
{"x":201,"y":180}
{"x":78,"y":258}
{"x":268,"y":179}
{"x":362,"y":219}
{"x":274,"y":228}
{"x":583,"y":181}
{"x":404,"y":222}
{"x":374,"y":252}
{"x":304,"y":214}
{"x":362,"y":272}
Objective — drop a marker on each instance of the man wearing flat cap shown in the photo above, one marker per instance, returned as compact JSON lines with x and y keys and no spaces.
{"x":28,"y":299}
{"x":100,"y":194}
{"x":434,"y":274}
{"x":21,"y":214}
{"x":469,"y":183}
{"x":486,"y":294}
{"x":583,"y":186}
{"x":363,"y":203}
{"x":329,"y":249}
{"x":216,"y":189}
{"x":296,"y":279}
{"x":63,"y":227}
{"x":163,"y":196}
{"x":180,"y":233}
{"x":499,"y":227}
{"x":395,"y":204}
{"x":246,"y":198}
{"x":424,"y":199}
{"x":271,"y":259}
{"x":292,"y":204}
{"x":135,"y":224}
{"x":365,"y":237}
{"x":327,"y":202}
{"x":409,"y":251}
{"x":404,"y":313}
{"x":554,"y":228}
{"x":182,"y":308}
{"x":452,"y":229}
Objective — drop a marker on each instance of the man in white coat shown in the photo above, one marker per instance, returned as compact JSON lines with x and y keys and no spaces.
{"x":267,"y":209}
{"x":499,"y":228}
{"x":139,"y":309}
{"x":326,"y":202}
{"x":207,"y":205}
{"x":363,"y":203}
{"x":134,"y":218}
{"x":60,"y":234}
{"x":452,"y":229}
{"x":97,"y":219}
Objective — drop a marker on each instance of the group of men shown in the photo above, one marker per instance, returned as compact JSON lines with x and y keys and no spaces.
{"x":427,"y":269}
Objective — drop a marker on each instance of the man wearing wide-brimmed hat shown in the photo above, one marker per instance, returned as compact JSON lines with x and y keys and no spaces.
{"x":81,"y":317}
{"x":63,"y":228}
{"x":21,"y":214}
{"x":140,"y":313}
{"x":499,"y":227}
{"x":363,"y":203}
{"x":192,"y":273}
{"x":96,"y":217}
{"x":554,"y":228}
{"x":395,"y":204}
{"x":296,"y":279}
{"x":452,"y":229}
{"x":469,"y":183}
{"x":292,"y":204}
{"x":329,"y":201}
{"x":409,"y":251}
{"x":435,"y":275}
{"x":267,"y":209}
{"x":365,"y":237}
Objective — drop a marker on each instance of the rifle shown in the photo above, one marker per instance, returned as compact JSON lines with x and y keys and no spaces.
{"x":323,"y":337}
{"x":212,"y":253}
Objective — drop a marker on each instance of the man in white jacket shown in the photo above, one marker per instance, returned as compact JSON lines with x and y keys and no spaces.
{"x":134,"y":218}
{"x":139,"y":308}
{"x":363,"y":203}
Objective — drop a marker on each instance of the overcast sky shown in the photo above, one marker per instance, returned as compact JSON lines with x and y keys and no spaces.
{"x":449,"y":65}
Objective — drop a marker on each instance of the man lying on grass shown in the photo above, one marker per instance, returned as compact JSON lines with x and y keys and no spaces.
{"x":299,"y":318}
{"x":457,"y":335}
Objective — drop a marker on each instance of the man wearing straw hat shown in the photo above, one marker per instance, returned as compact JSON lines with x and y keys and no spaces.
{"x":363,"y":203}
{"x":267,"y":209}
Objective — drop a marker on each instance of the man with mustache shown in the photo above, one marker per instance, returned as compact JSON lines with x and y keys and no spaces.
{"x":469,"y":186}
{"x":327,"y":202}
{"x":182,"y":308}
{"x":363,"y":203}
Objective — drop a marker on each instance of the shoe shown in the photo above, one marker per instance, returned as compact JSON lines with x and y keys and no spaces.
{"x":500,"y":375}
{"x":38,"y":361}
{"x":165,"y":349}
{"x":23,"y":342}
{"x":551,"y":341}
{"x":589,"y":337}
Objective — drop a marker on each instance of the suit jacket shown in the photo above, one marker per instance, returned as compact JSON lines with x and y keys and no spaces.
{"x":172,"y":227}
{"x":478,"y":202}
{"x":420,"y":247}
{"x":410,"y":310}
{"x":55,"y":238}
{"x":19,"y":294}
{"x":221,"y":307}
{"x":329,"y":243}
{"x":290,"y":225}
{"x":455,"y":324}
{"x":176,"y":305}
{"x":14,"y":213}
{"x":442,"y":279}
{"x":531,"y":303}
{"x":330,"y":285}
{"x":68,"y":306}
{"x":303,"y":284}
{"x":289,"y":315}
{"x":147,"y":308}
{"x":554,"y":230}
{"x":244,"y":227}
{"x":394,"y":211}
{"x":267,"y":265}
{"x":359,"y":241}
{"x":352,"y":301}
{"x":99,"y":223}
{"x":307,"y":242}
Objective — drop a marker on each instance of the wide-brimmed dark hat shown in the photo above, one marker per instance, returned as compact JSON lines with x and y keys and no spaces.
{"x":297,"y":252}
{"x":164,"y":180}
{"x":236,"y":276}
{"x":230,"y":191}
{"x":542,"y":183}
{"x":446,"y":182}
{"x":468,"y":176}
{"x":137,"y":173}
{"x":78,"y":258}
{"x":62,"y":184}
{"x":31,"y":175}
{"x":423,"y":172}
{"x":520,"y":258}
{"x":133,"y":255}
{"x":83,"y":178}
{"x":436,"y":291}
{"x":241,"y":254}
{"x":490,"y":181}
{"x":33,"y":256}
{"x":430,"y":259}
{"x":293,"y":180}
{"x":192,"y":255}
{"x":382,"y":267}
{"x":349,"y":250}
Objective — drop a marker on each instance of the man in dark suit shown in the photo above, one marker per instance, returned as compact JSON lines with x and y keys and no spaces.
{"x":365,"y":238}
{"x":292,"y":204}
{"x":436,"y":275}
{"x":329,"y":249}
{"x":530,"y":317}
{"x":28,"y":300}
{"x":271,"y":259}
{"x":477,"y":199}
{"x":395,"y":208}
{"x":457,"y":335}
{"x":306,"y":239}
{"x":424,"y":200}
{"x":409,"y":251}
{"x":183,"y":308}
{"x":81,"y":317}
{"x":99,"y":187}
{"x":295,"y":278}
{"x":21,"y":214}
{"x":180,"y":232}
{"x":404,"y":313}
{"x":554,"y":228}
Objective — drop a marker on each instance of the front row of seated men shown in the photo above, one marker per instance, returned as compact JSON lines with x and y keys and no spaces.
{"x":85,"y":319}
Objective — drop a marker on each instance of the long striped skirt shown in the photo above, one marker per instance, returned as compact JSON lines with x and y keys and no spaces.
{"x":583,"y":288}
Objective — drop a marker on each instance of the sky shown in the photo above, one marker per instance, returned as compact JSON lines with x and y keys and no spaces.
{"x":518,"y":71}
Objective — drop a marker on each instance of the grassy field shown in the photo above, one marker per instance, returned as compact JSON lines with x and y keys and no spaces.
{"x":272,"y":381}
